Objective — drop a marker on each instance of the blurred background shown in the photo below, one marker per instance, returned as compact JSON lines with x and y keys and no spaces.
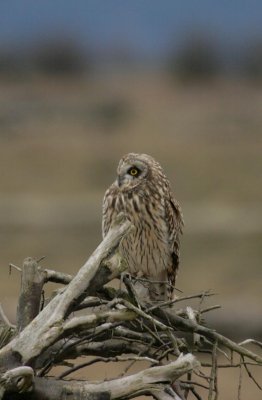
{"x":82,"y":83}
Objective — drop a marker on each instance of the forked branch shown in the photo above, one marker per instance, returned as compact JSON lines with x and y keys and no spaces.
{"x":114,"y":326}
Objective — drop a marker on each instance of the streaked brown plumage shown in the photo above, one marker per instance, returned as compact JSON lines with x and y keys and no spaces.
{"x":143,"y":193}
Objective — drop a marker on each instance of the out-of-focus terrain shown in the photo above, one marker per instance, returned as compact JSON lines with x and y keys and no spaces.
{"x":61,"y":140}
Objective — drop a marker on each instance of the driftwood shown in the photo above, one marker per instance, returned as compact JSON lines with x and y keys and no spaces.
{"x":113,"y":327}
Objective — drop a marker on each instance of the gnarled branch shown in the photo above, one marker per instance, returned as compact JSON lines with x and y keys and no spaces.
{"x":113,"y":326}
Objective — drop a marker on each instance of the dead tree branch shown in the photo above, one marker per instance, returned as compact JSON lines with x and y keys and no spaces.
{"x":189,"y":325}
{"x":143,"y":382}
{"x":114,"y":326}
{"x":32,"y":282}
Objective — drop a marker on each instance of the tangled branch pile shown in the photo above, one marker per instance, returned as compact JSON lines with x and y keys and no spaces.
{"x":87,"y":318}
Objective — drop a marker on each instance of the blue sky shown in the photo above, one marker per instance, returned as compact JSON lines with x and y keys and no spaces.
{"x":147,"y":27}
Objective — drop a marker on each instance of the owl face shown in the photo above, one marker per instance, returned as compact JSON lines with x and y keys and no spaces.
{"x":132,"y":170}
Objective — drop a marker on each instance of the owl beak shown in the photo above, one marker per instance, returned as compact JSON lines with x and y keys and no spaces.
{"x":119,"y":180}
{"x":124,"y":179}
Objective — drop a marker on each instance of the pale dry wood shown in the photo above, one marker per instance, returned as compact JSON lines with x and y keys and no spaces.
{"x":57,"y":277}
{"x":165,"y":393}
{"x":19,"y":379}
{"x":117,"y":328}
{"x":4,"y":318}
{"x":32,"y":282}
{"x":48,"y":327}
{"x":191,"y":326}
{"x":92,"y":320}
{"x":252,"y":341}
{"x":144,"y":382}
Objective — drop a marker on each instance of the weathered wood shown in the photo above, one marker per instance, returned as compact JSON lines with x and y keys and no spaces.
{"x":190,"y":326}
{"x":32,"y":282}
{"x":47,"y":327}
{"x":114,"y":327}
{"x":143,"y":382}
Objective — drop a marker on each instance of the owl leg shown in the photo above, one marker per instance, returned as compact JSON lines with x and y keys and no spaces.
{"x":158,"y":291}
{"x":127,"y":279}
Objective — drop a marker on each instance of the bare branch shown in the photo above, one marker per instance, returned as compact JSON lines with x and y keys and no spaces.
{"x":140,"y":312}
{"x":115,"y":327}
{"x":143,"y":382}
{"x":14,"y":267}
{"x":19,"y":380}
{"x":211,"y":308}
{"x":90,"y":301}
{"x":165,"y":393}
{"x":213,"y":375}
{"x":251,"y":375}
{"x":144,"y":379}
{"x":92,"y":320}
{"x":57,"y":277}
{"x":48,"y":325}
{"x":6,"y":334}
{"x":171,"y":302}
{"x":188,"y":325}
{"x":32,"y":283}
{"x":4,"y":318}
{"x":252,"y":341}
{"x":239,"y":383}
{"x":106,"y":360}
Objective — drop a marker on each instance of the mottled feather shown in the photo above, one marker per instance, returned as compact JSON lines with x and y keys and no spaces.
{"x":143,"y":193}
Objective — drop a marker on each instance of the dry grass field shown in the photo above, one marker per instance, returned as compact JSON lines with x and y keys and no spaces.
{"x":60,"y":142}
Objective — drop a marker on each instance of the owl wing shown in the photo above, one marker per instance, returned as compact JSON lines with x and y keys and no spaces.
{"x":108,"y":209}
{"x":175,"y":228}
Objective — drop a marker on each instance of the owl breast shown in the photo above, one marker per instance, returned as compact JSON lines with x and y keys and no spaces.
{"x":146,"y":249}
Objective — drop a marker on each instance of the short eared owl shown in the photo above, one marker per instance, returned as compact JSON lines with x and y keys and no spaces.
{"x":142,"y":192}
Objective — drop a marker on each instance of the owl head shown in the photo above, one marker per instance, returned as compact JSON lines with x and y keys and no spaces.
{"x":133,"y":169}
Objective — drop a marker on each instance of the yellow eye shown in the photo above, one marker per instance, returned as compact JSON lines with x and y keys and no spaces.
{"x":133,"y":171}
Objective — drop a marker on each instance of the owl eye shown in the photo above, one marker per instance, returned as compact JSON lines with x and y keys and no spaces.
{"x":133,"y":171}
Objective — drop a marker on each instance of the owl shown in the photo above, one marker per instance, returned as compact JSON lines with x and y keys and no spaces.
{"x":142,"y":192}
